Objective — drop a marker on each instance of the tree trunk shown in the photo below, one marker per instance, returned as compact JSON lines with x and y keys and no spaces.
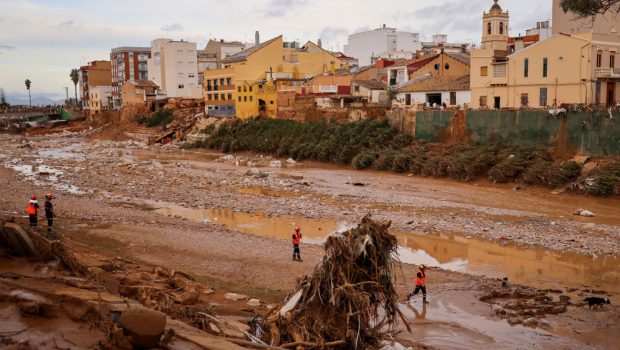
{"x":29,"y":98}
{"x":76,"y":100}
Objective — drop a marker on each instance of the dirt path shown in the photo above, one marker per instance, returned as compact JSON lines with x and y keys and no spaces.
{"x":229,"y":225}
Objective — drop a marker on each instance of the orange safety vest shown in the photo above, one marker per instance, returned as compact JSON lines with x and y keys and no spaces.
{"x":420,"y":281}
{"x":31,"y":210}
{"x":296,"y":237}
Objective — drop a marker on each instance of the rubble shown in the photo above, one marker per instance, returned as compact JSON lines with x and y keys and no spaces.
{"x":349,"y":301}
{"x":583,"y":212}
{"x":144,"y":326}
{"x":235,"y":296}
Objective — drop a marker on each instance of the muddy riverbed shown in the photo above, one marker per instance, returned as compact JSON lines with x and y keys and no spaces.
{"x":229,"y":224}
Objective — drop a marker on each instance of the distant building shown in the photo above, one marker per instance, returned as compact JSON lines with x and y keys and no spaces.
{"x":365,"y":45}
{"x":543,"y":30}
{"x":95,"y":73}
{"x":440,"y":44}
{"x":214,"y":52}
{"x":142,"y":93}
{"x":346,"y":62}
{"x":99,"y":99}
{"x":173,"y":66}
{"x":372,"y":92}
{"x":568,"y":23}
{"x":247,"y":86}
{"x":127,"y":63}
{"x":564,"y":69}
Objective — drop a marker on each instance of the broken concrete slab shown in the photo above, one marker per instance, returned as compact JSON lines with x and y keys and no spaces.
{"x":235,"y":296}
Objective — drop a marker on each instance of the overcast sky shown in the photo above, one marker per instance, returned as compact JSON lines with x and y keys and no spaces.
{"x":43,"y":39}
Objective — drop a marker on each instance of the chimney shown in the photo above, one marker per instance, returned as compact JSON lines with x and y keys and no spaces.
{"x":519,"y":45}
{"x":319,"y":43}
{"x":256,"y":38}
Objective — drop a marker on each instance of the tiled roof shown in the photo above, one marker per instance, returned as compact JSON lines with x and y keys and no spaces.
{"x":149,"y":83}
{"x":459,"y":56}
{"x":370,"y":84}
{"x":242,"y":55}
{"x":435,"y":83}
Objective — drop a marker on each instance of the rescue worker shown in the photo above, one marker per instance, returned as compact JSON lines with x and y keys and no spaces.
{"x":296,"y":241}
{"x":420,"y":283}
{"x":49,"y":211}
{"x":32,"y":210}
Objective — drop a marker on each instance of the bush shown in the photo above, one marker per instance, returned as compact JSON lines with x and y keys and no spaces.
{"x":364,"y":159}
{"x":159,"y":118}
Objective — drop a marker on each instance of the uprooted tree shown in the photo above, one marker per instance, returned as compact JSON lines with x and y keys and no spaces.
{"x":349,"y":302}
{"x":590,"y":8}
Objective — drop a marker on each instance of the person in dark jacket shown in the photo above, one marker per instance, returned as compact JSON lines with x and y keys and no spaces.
{"x":49,"y":211}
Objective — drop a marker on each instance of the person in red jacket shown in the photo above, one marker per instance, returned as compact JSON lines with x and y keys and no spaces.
{"x":296,"y":242}
{"x":32,"y":210}
{"x":420,"y":283}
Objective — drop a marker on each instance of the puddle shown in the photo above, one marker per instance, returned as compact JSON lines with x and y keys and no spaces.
{"x":529,"y":266}
{"x":42,"y":175}
{"x":62,"y":152}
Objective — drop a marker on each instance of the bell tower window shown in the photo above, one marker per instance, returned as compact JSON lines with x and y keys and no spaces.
{"x":489,"y":28}
{"x":501,"y":28}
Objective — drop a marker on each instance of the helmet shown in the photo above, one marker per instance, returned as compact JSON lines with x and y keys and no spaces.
{"x":422,"y":267}
{"x":297,"y":228}
{"x":48,"y":195}
{"x":33,"y":197}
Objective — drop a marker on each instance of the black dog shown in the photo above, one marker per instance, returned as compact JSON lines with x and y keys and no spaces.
{"x":596,"y":301}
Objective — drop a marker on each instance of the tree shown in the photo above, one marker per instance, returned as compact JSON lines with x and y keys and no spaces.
{"x":590,"y":8}
{"x":3,"y":102}
{"x":28,"y":83}
{"x":75,"y":77}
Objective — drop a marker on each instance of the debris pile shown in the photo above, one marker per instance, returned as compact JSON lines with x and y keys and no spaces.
{"x":349,"y":301}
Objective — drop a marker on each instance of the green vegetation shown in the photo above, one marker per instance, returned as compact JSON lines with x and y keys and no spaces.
{"x":369,"y":144}
{"x":602,"y":181}
{"x":159,"y":118}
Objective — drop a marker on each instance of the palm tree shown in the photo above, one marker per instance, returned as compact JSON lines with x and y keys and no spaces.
{"x":28,"y":83}
{"x":75,"y":77}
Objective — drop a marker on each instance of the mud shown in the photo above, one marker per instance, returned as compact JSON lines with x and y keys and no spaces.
{"x":190,"y":211}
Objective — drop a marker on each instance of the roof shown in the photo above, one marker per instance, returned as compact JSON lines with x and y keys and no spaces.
{"x":242,"y":55}
{"x":496,"y":6}
{"x":370,"y":84}
{"x":415,"y":62}
{"x":459,"y":56}
{"x":144,"y":83}
{"x":436,"y":83}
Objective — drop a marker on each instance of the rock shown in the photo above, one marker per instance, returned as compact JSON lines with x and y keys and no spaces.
{"x":581,"y":160}
{"x":177,"y":283}
{"x":296,"y":176}
{"x":254,"y":302}
{"x":145,"y":326}
{"x":275,"y":164}
{"x":235,"y":296}
{"x":228,"y":158}
{"x":531,"y":321}
{"x":588,"y":167}
{"x":291,"y":161}
{"x":359,"y":184}
{"x":188,"y":298}
{"x":519,"y":188}
{"x":583,"y":212}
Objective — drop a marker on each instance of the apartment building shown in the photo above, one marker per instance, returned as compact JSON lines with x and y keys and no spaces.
{"x":368,"y":44}
{"x":99,"y":99}
{"x":247,"y":85}
{"x":95,"y":73}
{"x":127,"y":64}
{"x":173,"y":66}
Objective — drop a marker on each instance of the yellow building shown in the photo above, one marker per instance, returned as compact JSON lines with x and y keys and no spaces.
{"x":563,"y":69}
{"x":246,"y":86}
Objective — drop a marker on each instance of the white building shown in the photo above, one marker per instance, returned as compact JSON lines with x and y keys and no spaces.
{"x":173,"y":66}
{"x":99,"y":99}
{"x":543,"y":30}
{"x":366,"y":45}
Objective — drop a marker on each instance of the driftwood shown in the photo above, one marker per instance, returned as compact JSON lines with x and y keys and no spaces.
{"x":349,"y":302}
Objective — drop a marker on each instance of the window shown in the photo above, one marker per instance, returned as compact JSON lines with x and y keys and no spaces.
{"x":238,"y":88}
{"x":250,"y":88}
{"x":484,"y":71}
{"x":271,"y":102}
{"x":179,"y":52}
{"x":545,"y":65}
{"x":489,"y":28}
{"x":446,"y":66}
{"x":239,"y":98}
{"x":228,"y":81}
{"x":229,"y":96}
{"x":543,"y":97}
{"x":599,"y":58}
{"x":245,"y":88}
{"x":436,"y":67}
{"x":612,"y":60}
{"x":524,"y":100}
{"x":250,"y":98}
{"x":452,"y":98}
{"x":190,"y":75}
{"x":356,"y":88}
{"x":526,"y":67}
{"x":208,"y":97}
{"x":483,"y":101}
{"x":181,"y":86}
{"x":501,"y":28}
{"x":245,"y":99}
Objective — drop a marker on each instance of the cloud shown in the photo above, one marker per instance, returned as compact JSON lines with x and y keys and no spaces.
{"x":4,"y":48}
{"x":280,"y":8}
{"x":174,"y":27}
{"x":67,"y":25}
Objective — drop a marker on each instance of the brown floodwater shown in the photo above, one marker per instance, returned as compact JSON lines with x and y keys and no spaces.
{"x":536,"y":267}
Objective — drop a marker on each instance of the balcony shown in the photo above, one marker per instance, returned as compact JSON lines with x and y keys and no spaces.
{"x":607,"y":72}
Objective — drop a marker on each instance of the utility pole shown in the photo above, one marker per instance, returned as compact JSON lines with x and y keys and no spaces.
{"x":66,"y":93}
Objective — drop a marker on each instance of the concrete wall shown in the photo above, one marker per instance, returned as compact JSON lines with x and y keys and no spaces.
{"x":590,"y":133}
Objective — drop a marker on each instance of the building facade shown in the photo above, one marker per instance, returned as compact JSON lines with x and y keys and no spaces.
{"x":247,"y":85}
{"x":214,"y":52}
{"x":95,"y":73}
{"x":127,"y":63}
{"x":564,"y":69}
{"x":99,"y":99}
{"x":173,"y":66}
{"x":365,"y":45}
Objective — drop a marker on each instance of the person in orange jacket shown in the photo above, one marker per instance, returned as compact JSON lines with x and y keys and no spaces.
{"x":32,"y":210}
{"x":296,"y":237}
{"x":420,"y":283}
